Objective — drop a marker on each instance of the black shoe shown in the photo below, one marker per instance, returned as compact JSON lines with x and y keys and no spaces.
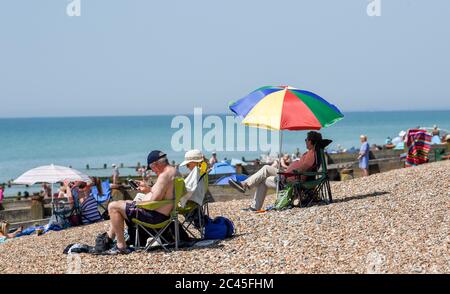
{"x":238,"y":186}
{"x":116,"y":250}
{"x":249,"y":209}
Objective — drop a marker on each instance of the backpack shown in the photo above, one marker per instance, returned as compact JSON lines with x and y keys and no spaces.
{"x":102,"y":243}
{"x":219,"y":228}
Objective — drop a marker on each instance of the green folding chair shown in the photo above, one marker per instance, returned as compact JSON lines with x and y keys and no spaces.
{"x":438,"y":153}
{"x":316,"y":187}
{"x":156,"y":231}
{"x":194,"y":210}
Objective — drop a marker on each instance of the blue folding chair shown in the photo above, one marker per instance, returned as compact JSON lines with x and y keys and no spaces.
{"x":102,"y":199}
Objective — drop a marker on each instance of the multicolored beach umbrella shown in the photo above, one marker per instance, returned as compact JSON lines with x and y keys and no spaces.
{"x":286,"y":108}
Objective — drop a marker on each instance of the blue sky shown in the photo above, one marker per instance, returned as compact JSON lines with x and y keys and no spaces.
{"x":141,"y":57}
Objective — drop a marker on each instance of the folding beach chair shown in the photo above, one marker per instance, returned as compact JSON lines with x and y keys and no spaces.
{"x":156,"y":231}
{"x":195,"y":213}
{"x":103,"y":199}
{"x":439,"y":153}
{"x":316,"y":187}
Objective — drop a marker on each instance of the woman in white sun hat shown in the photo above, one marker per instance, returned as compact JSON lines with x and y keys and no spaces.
{"x":192,"y":158}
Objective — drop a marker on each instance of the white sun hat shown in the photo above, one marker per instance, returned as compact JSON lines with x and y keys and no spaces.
{"x":192,"y":156}
{"x":402,"y":133}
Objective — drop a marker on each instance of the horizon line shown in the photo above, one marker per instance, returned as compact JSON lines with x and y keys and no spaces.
{"x":204,"y":113}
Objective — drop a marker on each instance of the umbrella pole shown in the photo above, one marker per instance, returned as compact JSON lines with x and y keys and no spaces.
{"x":279,"y":162}
{"x":53,"y":204}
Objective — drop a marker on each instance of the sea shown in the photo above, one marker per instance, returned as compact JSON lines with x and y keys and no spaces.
{"x":26,"y":143}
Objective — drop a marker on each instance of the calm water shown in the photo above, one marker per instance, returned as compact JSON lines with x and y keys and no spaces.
{"x":27,"y":143}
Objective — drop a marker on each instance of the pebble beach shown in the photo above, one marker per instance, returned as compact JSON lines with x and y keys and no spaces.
{"x":392,"y":222}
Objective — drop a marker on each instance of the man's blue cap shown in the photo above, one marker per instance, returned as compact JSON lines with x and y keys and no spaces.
{"x":154,"y":156}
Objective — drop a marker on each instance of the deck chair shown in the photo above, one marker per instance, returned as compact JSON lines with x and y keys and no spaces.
{"x":103,"y":199}
{"x":316,"y":187}
{"x":156,"y":231}
{"x":195,"y":213}
{"x":439,"y":153}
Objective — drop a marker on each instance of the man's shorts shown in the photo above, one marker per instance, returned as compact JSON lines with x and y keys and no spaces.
{"x":147,"y":216}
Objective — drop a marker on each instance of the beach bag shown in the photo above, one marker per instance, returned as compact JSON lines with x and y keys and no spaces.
{"x":219,"y":228}
{"x":284,"y":198}
{"x":75,"y":219}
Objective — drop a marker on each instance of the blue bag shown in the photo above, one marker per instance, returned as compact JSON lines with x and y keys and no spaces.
{"x":219,"y":228}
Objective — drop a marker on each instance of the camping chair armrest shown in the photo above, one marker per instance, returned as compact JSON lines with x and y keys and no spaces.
{"x":299,"y":174}
{"x":309,"y":174}
{"x":152,"y":205}
{"x":288,"y":174}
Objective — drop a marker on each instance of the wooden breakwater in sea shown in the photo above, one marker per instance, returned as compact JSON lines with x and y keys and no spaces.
{"x":338,"y":165}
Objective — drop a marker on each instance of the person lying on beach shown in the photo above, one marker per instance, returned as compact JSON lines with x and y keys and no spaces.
{"x":122,"y":212}
{"x":265,"y":177}
{"x":4,"y":231}
{"x":79,"y":196}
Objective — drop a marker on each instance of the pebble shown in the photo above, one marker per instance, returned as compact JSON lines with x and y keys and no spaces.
{"x":389,"y":222}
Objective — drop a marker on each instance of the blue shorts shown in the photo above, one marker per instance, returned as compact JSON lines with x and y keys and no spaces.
{"x":146,"y":216}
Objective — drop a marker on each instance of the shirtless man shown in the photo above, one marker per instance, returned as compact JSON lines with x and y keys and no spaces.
{"x":124,"y":211}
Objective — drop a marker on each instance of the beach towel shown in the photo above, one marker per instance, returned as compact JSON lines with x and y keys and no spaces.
{"x":419,"y":145}
{"x":195,"y":186}
{"x":40,"y":229}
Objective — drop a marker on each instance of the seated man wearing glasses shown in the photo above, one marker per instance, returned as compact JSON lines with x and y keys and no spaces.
{"x":265,"y":177}
{"x":122,"y":212}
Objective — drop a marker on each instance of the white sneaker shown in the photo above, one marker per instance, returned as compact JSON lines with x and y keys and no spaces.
{"x":155,"y":243}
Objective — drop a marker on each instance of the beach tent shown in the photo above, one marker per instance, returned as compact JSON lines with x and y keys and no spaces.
{"x":50,"y":174}
{"x":223,"y":181}
{"x":221,"y":168}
